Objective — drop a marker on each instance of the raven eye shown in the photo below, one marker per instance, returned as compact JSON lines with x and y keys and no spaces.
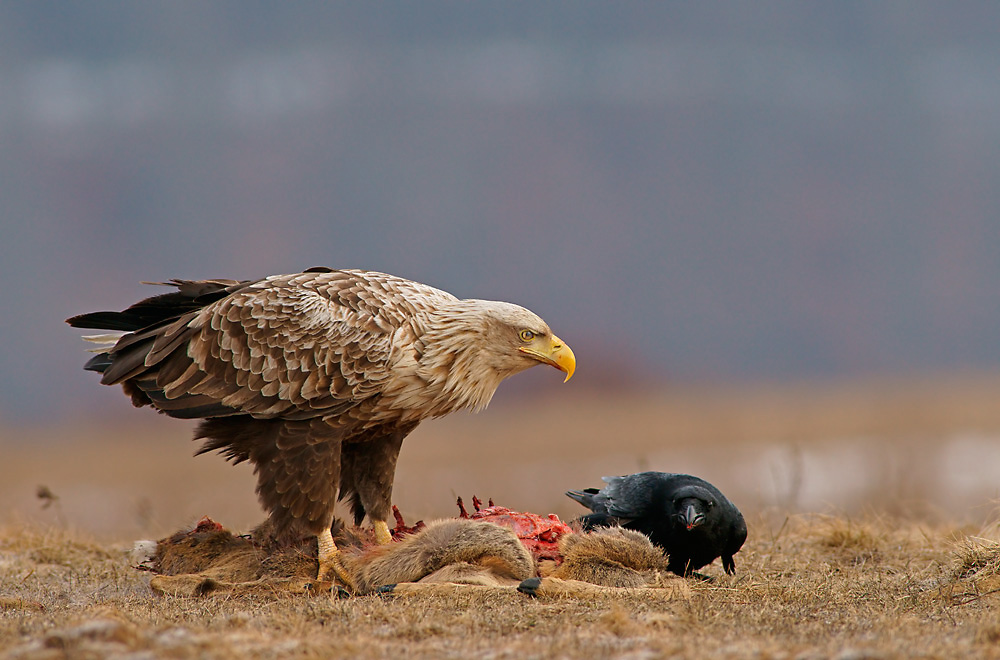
{"x":527,"y":335}
{"x":711,"y":503}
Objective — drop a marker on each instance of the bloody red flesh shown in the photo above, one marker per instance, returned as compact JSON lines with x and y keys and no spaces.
{"x":539,"y":534}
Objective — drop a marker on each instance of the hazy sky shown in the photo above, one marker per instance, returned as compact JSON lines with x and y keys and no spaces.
{"x":683,"y":190}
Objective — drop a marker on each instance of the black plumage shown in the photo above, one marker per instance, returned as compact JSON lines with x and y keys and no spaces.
{"x":689,"y":518}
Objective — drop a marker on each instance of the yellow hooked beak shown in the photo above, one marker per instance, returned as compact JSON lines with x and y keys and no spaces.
{"x":554,"y":351}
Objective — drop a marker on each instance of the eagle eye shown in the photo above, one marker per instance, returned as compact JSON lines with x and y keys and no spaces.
{"x":527,"y":335}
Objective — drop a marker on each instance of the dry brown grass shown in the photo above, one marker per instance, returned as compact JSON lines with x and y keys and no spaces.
{"x":903,"y":561}
{"x":978,"y":556}
{"x":815,"y":586}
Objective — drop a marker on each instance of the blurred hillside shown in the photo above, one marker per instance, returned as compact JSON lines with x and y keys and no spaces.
{"x":685,"y":191}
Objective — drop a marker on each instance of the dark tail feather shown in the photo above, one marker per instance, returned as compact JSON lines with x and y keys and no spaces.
{"x":98,"y":363}
{"x":190,"y":295}
{"x":104,"y":321}
{"x":141,"y":322}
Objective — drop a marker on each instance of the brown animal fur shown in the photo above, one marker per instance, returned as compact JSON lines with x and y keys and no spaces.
{"x":552,"y":588}
{"x":444,"y":544}
{"x":611,"y":557}
{"x":213,"y":551}
{"x":210,"y":560}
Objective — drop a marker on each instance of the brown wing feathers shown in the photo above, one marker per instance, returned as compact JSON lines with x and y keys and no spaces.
{"x":265,"y":351}
{"x":283,"y":370}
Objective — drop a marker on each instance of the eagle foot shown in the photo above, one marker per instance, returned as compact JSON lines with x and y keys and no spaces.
{"x":332,"y":570}
{"x":382,"y":534}
{"x":331,"y":564}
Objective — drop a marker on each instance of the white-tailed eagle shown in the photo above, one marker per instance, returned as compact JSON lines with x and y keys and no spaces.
{"x":316,"y":378}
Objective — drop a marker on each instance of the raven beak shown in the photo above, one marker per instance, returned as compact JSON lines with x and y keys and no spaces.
{"x":554,"y":352}
{"x":692,"y":518}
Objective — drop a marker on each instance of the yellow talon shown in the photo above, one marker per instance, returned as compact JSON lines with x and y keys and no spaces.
{"x":382,"y":534}
{"x":330,"y":564}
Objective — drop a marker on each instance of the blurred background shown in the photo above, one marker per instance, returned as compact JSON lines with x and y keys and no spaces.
{"x":770,"y":231}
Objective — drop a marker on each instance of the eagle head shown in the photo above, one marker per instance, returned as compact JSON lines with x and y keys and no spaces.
{"x":515,"y":339}
{"x":476,"y":344}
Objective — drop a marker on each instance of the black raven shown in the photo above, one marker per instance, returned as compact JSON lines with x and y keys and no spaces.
{"x":686,"y":516}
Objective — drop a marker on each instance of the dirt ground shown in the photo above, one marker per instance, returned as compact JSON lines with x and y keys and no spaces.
{"x":872,"y":511}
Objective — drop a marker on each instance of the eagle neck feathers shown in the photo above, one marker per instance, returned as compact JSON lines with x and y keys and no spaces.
{"x":456,"y":363}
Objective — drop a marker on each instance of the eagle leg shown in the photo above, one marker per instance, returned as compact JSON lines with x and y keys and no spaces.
{"x":366,"y":476}
{"x":382,"y":534}
{"x":330,"y":563}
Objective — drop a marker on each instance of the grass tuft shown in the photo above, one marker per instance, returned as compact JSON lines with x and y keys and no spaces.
{"x":977,"y":557}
